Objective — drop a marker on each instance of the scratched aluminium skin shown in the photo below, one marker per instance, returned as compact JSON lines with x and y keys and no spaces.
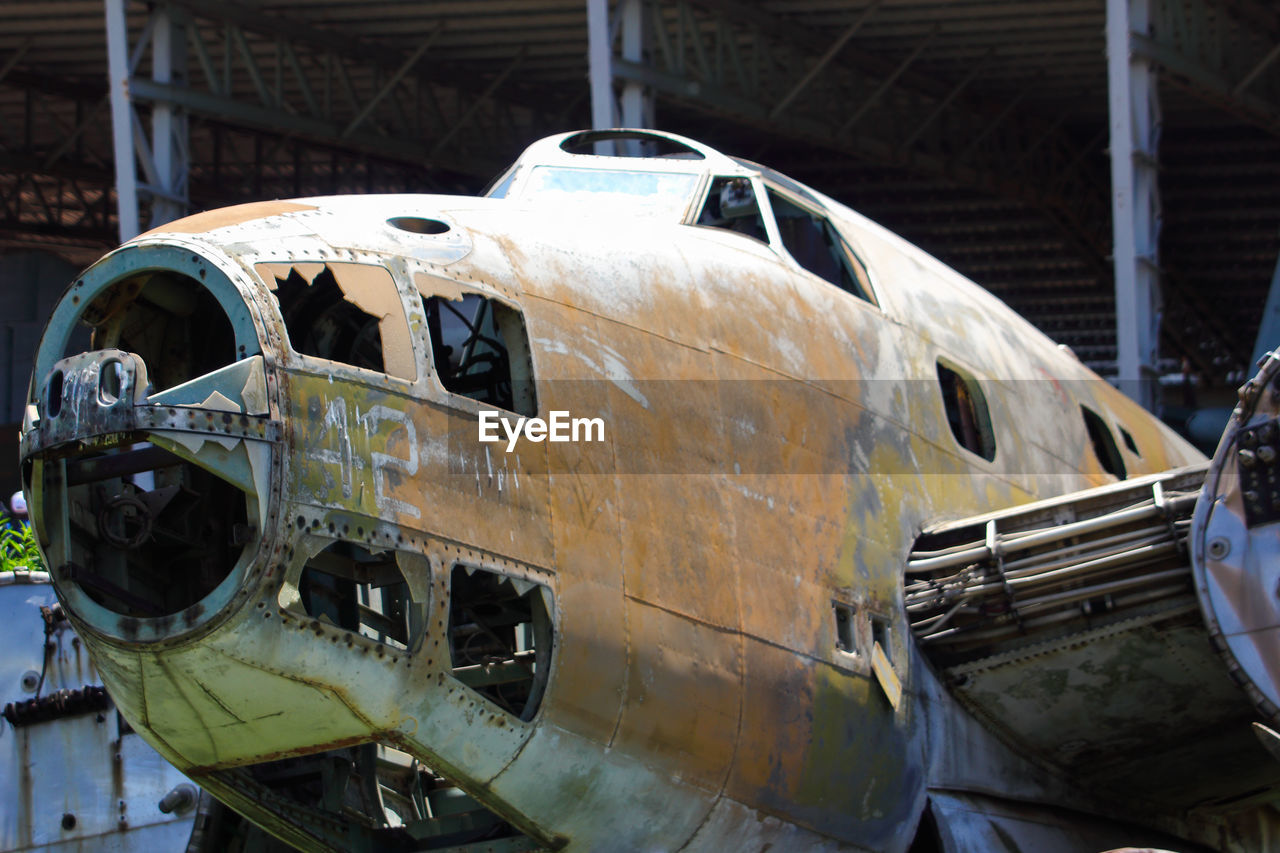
{"x":772,"y":444}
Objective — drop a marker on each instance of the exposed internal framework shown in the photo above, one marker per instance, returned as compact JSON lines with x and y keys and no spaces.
{"x":480,"y":350}
{"x":173,"y":322}
{"x":372,"y":797}
{"x":142,"y":530}
{"x":500,"y":638}
{"x":150,"y":534}
{"x":983,"y":587}
{"x":1071,"y":627}
{"x":344,"y":312}
{"x":350,"y":587}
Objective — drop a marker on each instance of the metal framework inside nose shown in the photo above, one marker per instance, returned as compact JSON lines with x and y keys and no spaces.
{"x":148,"y":456}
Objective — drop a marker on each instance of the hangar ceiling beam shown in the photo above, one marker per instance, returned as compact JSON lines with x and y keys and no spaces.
{"x":14,"y":58}
{"x":1227,"y":60}
{"x":55,"y":179}
{"x":887,"y":83}
{"x":830,"y":54}
{"x":761,"y":59}
{"x":737,"y":60}
{"x":65,"y":147}
{"x":287,"y":77}
{"x":974,"y":70}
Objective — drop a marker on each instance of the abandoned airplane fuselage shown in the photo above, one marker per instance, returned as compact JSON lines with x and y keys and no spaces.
{"x":580,"y":516}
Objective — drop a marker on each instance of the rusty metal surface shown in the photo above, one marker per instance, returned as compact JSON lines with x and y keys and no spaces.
{"x":773,"y":446}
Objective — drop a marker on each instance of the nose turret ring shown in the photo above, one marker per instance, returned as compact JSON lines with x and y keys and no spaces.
{"x":150,"y":506}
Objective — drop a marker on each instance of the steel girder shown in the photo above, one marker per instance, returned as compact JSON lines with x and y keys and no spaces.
{"x":282,"y":76}
{"x":620,"y":37}
{"x":55,"y":178}
{"x":163,"y":157}
{"x":1227,"y":55}
{"x":1230,"y":61}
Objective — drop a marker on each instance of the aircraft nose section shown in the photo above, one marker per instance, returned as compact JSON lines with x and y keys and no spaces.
{"x":149,"y":506}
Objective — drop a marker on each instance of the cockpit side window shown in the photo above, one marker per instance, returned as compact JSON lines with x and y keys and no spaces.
{"x":817,"y":246}
{"x":731,"y":204}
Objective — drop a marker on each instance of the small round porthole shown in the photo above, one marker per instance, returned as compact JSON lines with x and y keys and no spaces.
{"x":419,"y":225}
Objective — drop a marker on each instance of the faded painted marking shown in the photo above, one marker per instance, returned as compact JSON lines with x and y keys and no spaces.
{"x":610,"y":365}
{"x":335,"y":418}
{"x":385,"y":462}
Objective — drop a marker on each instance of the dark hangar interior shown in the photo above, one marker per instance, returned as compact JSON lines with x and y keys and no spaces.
{"x":981,"y":130}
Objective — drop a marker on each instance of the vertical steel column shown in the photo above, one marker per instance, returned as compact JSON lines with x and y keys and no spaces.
{"x":122,"y":119}
{"x":636,"y":102}
{"x":169,"y":146}
{"x":600,"y":60}
{"x":635,"y":108}
{"x":1135,"y":199}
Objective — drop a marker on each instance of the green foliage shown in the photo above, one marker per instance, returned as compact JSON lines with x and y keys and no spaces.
{"x":18,"y":547}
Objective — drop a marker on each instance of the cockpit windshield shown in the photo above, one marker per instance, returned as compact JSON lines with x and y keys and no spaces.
{"x":647,"y":193}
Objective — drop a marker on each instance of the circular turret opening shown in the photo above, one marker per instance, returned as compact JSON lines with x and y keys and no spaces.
{"x":418,"y":225}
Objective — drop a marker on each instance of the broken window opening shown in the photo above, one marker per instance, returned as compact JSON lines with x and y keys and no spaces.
{"x":816,"y":245}
{"x":731,"y":204}
{"x":352,"y":588}
{"x":480,"y":349}
{"x":967,"y":412}
{"x":846,"y":628}
{"x":1104,"y":445}
{"x":344,"y":312}
{"x":171,"y":320}
{"x":374,"y":797}
{"x":500,"y":638}
{"x":150,"y":534}
{"x":880,"y":636}
{"x":1130,"y":443}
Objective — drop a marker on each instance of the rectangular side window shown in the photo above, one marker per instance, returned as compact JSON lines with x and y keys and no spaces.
{"x":880,"y":635}
{"x":480,"y":349}
{"x":967,"y":412}
{"x":344,"y":312}
{"x":846,"y":633}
